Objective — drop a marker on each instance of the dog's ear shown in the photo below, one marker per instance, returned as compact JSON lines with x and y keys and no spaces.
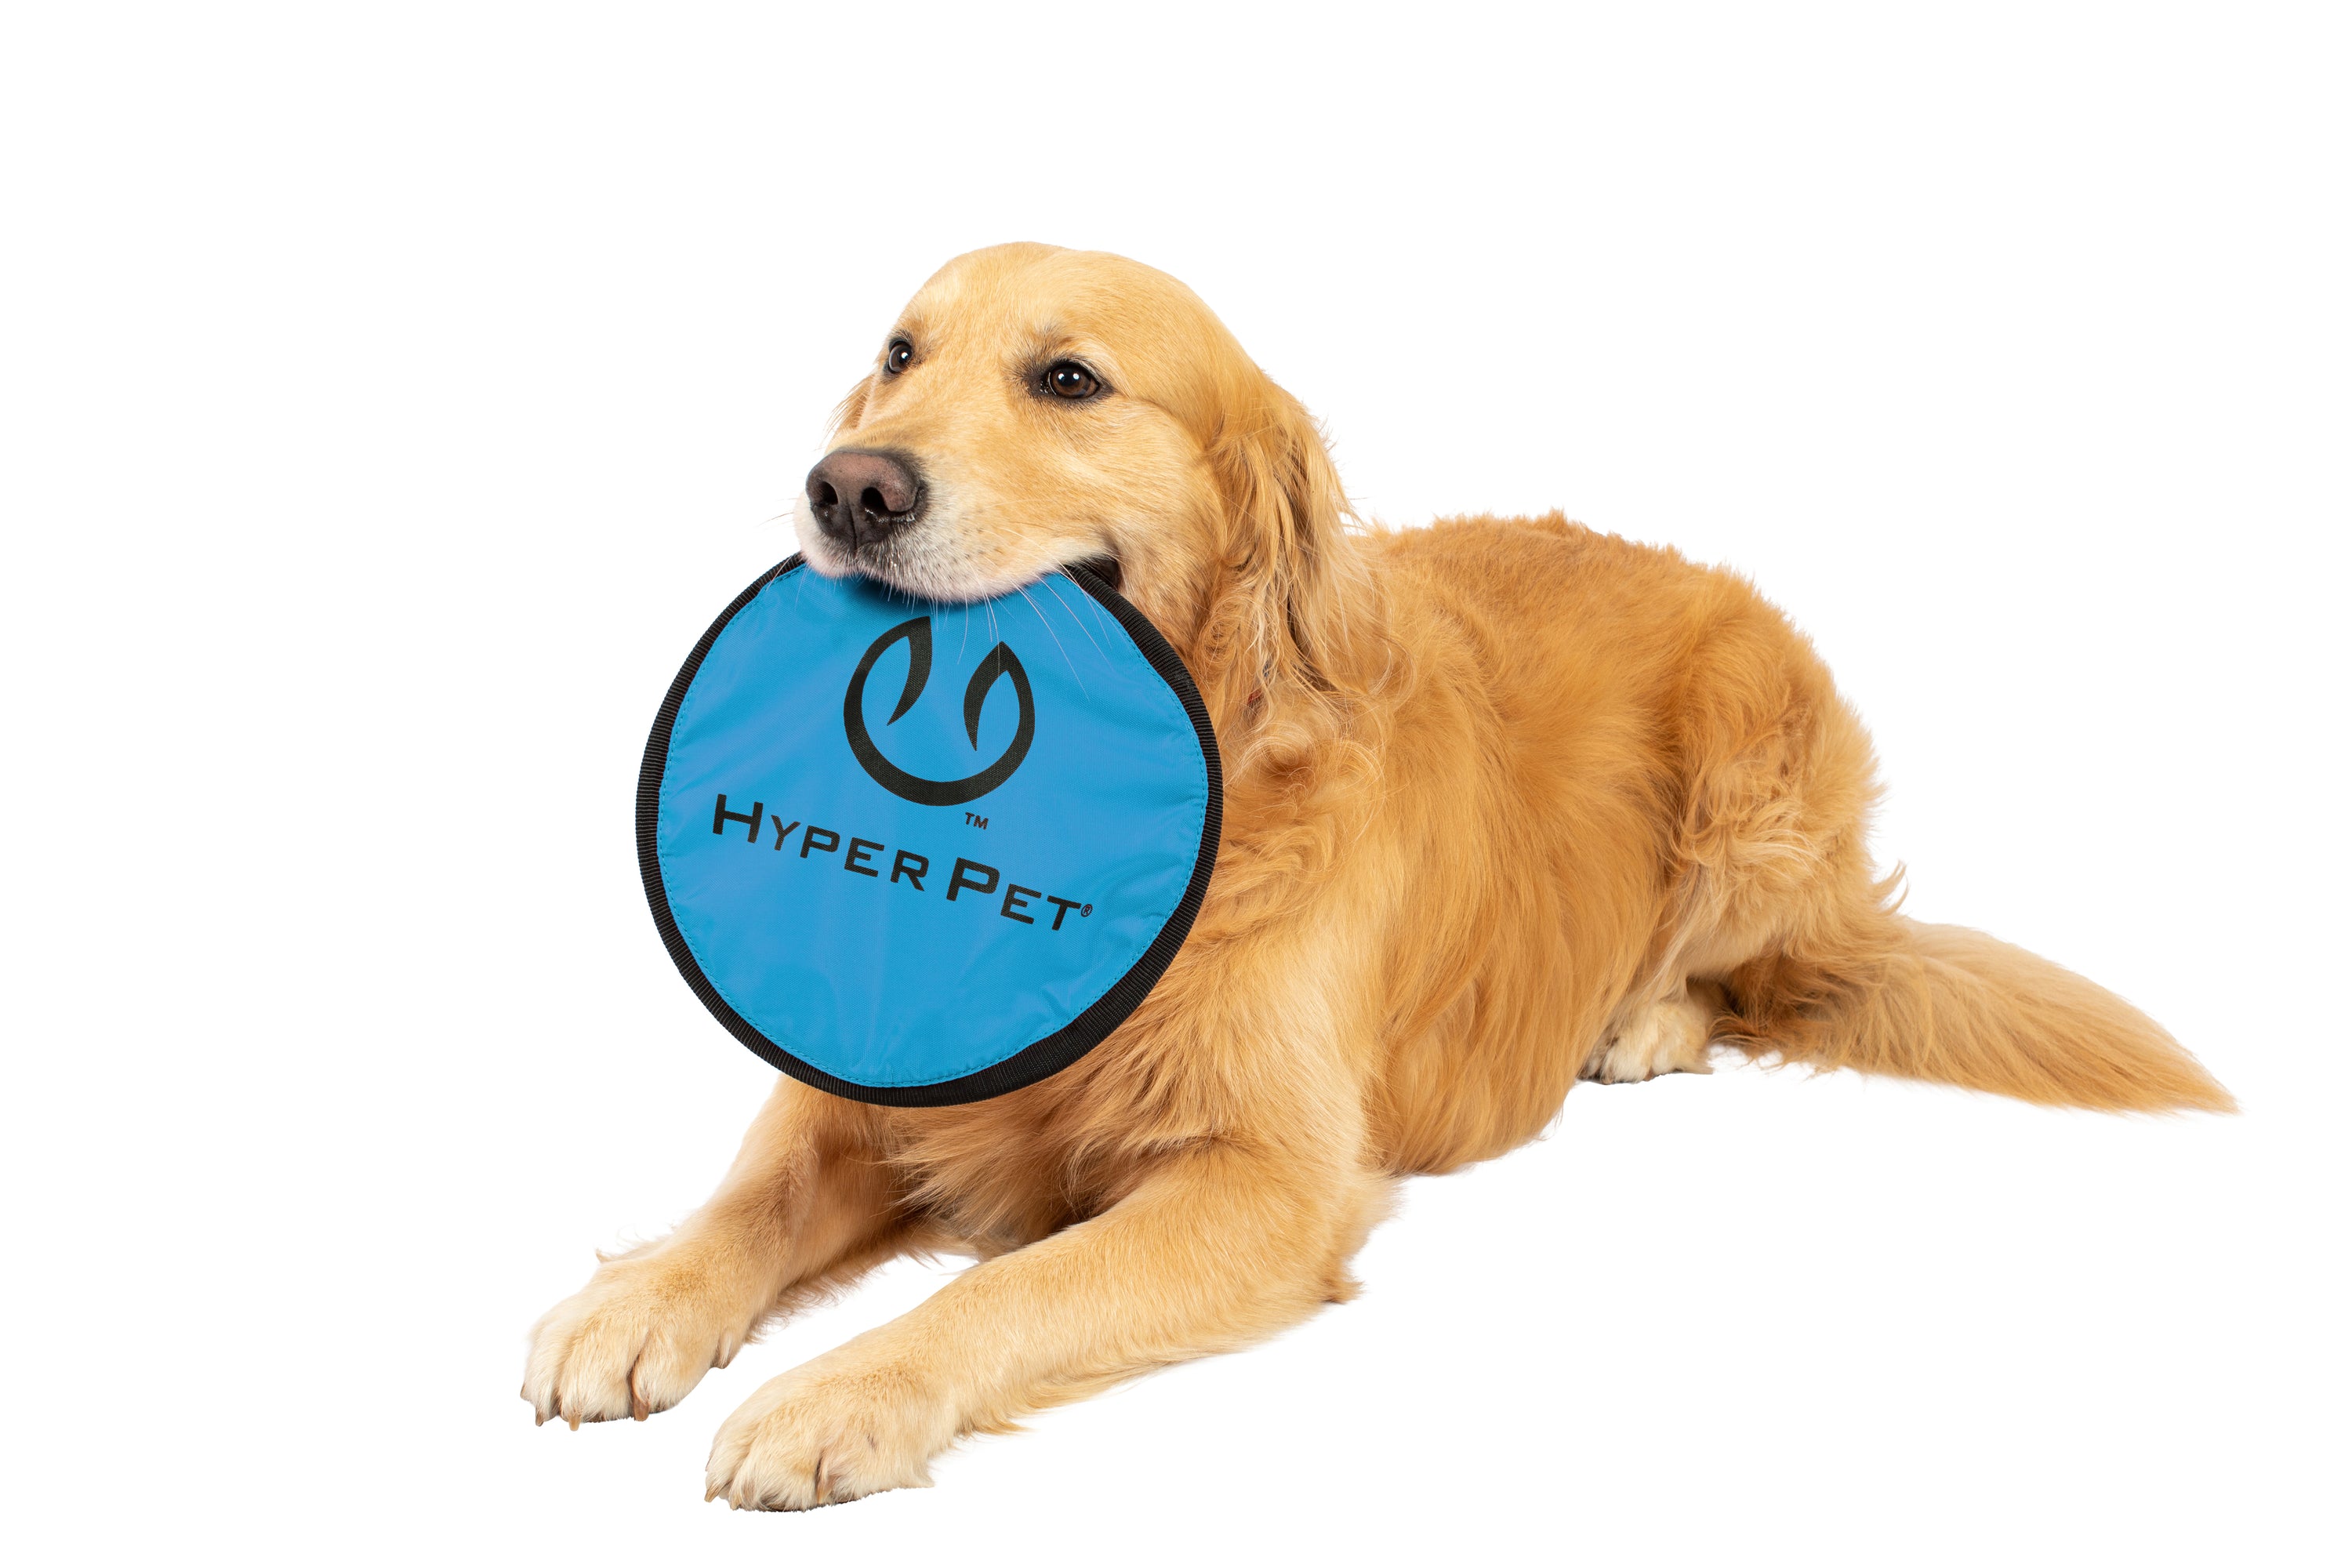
{"x":1290,"y":571}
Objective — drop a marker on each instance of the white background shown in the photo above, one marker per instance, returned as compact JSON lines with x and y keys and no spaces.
{"x":392,"y":397}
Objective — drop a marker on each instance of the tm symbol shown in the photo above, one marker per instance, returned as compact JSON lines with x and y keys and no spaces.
{"x":975,"y":820}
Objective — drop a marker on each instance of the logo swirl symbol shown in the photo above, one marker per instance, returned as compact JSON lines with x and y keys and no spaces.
{"x":1001,"y":662}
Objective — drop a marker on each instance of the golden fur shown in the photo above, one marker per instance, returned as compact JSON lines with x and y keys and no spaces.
{"x":1508,"y":803}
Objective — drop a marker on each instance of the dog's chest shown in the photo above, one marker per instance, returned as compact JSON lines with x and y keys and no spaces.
{"x":994,"y":1172}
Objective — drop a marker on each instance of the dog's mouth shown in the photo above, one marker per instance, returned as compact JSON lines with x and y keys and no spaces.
{"x":911,"y":561}
{"x":1104,"y":567}
{"x":882,"y":566}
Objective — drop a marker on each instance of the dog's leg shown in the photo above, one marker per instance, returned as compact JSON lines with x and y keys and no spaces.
{"x":1666,"y":1036}
{"x":1220,"y":1244}
{"x":803,"y":1206}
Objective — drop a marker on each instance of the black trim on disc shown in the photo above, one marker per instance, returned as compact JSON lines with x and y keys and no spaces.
{"x":1030,"y":1063}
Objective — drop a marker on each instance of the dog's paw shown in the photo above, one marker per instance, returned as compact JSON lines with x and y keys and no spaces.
{"x":839,"y":1428}
{"x":635,"y":1341}
{"x":1662,"y":1038}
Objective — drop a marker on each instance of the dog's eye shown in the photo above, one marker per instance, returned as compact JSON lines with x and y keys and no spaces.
{"x":901,"y":355}
{"x":1072,"y":380}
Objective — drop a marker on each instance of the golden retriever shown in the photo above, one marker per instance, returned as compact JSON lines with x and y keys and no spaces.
{"x":1508,"y":804}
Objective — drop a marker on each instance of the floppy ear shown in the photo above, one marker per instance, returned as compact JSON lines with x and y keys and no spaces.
{"x":1285,"y":616}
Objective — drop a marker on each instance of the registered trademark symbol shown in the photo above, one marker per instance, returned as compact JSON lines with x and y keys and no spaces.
{"x":1085,"y":909}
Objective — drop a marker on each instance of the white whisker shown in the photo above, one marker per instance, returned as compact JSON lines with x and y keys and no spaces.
{"x":1057,"y":642}
{"x":1074,"y":621}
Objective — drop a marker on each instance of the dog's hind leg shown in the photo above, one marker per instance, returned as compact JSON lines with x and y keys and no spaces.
{"x":1776,"y":779}
{"x":1651,"y":1038}
{"x":806,"y":1206}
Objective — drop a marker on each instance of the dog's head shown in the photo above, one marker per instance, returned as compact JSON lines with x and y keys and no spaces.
{"x":1035,"y":407}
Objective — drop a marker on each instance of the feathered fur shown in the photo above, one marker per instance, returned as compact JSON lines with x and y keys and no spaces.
{"x":1509,"y":802}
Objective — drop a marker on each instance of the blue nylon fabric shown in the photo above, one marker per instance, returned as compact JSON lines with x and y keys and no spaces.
{"x":871,"y":980}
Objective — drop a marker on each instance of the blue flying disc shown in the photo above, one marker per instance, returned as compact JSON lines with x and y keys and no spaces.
{"x":919,"y":853}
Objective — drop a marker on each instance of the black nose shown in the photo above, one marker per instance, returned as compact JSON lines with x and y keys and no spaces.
{"x":862,"y":497}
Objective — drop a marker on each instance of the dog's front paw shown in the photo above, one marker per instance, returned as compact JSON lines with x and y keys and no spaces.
{"x":839,"y":1428}
{"x":635,"y":1341}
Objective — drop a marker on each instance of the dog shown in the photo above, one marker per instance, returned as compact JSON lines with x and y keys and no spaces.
{"x":1508,"y":804}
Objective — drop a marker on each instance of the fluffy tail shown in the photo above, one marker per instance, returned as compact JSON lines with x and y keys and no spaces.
{"x":1888,"y":994}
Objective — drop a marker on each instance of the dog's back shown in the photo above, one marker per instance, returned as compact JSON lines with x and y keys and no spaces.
{"x":1643,"y":808}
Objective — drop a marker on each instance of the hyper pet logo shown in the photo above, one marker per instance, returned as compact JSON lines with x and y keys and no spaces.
{"x":909,"y":868}
{"x":1002,"y":662}
{"x":933,"y":887}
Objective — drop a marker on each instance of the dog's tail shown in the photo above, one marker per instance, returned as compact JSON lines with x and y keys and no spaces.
{"x":1885,"y":993}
